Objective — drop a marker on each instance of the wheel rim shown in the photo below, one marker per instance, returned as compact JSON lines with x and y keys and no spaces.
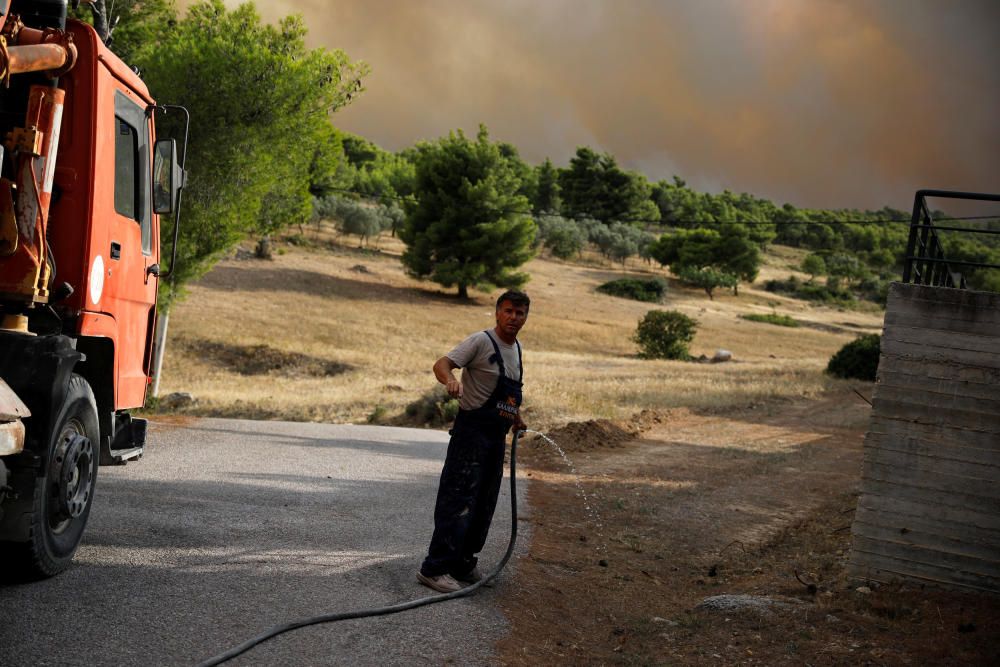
{"x":71,"y":472}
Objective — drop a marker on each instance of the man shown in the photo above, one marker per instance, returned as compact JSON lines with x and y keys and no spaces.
{"x":489,"y":400}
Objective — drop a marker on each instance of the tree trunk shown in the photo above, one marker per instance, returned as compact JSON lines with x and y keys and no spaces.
{"x":463,"y":292}
{"x":101,"y":19}
{"x":264,"y":250}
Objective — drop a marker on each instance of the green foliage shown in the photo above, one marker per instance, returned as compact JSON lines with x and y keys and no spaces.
{"x":364,"y":219}
{"x":708,"y":279}
{"x":834,"y":292}
{"x":372,"y":172}
{"x":525,"y":174}
{"x":547,"y":198}
{"x":846,"y":266}
{"x":771,"y":318}
{"x":814,"y":265}
{"x":435,"y":408}
{"x":594,"y":186}
{"x":638,"y":290}
{"x":253,"y":91}
{"x":665,"y":249}
{"x":708,"y":258}
{"x":665,"y":334}
{"x":378,"y":415}
{"x":829,"y":293}
{"x":680,"y":206}
{"x":976,"y":248}
{"x":617,"y":241}
{"x":466,"y":225}
{"x":564,"y":238}
{"x":858,"y":359}
{"x":737,"y":255}
{"x":139,"y":23}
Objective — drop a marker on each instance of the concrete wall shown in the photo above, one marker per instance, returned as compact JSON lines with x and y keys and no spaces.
{"x":929,"y":508}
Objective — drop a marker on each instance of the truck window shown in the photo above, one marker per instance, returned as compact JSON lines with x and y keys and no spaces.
{"x":126,"y":169}
{"x":132,"y":171}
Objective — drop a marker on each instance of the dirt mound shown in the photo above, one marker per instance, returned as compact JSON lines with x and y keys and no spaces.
{"x":576,"y":437}
{"x":589,"y":436}
{"x":592,"y":434}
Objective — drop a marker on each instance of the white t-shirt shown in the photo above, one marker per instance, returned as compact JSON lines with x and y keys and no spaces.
{"x":479,"y":374}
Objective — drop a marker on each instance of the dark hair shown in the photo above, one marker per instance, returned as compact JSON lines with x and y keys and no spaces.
{"x":516,"y":298}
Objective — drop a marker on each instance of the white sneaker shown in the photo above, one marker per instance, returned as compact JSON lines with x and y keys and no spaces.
{"x":444,"y":583}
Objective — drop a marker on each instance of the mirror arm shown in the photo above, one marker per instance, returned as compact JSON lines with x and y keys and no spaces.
{"x":165,"y":108}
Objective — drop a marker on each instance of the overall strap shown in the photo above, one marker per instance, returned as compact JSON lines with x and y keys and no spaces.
{"x":496,"y":349}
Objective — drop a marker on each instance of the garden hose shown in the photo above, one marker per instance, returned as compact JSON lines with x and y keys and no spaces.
{"x":391,"y":609}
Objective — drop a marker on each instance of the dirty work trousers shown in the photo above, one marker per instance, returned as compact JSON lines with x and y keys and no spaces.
{"x":467,"y":495}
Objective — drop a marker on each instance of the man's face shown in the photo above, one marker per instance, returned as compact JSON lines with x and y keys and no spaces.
{"x":510,"y":318}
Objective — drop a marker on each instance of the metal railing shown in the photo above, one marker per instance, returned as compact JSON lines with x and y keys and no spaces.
{"x":925,"y":263}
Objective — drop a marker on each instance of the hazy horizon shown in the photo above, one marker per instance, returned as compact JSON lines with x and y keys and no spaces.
{"x":820,"y":103}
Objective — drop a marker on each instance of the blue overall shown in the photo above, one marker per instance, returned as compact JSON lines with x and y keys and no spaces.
{"x":471,"y":478}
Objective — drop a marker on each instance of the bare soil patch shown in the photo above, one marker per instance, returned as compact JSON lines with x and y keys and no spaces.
{"x":260,"y":359}
{"x":671,"y":509}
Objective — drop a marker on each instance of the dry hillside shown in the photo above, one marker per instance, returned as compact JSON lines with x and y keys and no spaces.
{"x":334,"y":333}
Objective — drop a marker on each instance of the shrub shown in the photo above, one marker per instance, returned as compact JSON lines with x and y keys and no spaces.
{"x":665,"y":334}
{"x":377,"y":415}
{"x":638,"y":290}
{"x":771,"y":318}
{"x":858,"y":359}
{"x":435,"y":408}
{"x":830,"y":293}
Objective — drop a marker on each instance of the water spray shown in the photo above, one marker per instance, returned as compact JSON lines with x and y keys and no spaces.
{"x":589,"y":502}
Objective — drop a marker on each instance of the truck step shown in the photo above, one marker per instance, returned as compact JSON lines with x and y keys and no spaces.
{"x":120,"y":456}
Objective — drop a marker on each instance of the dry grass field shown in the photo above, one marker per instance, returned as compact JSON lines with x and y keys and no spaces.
{"x":334,"y":333}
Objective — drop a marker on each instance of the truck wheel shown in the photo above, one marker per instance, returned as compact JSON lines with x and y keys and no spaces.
{"x":64,"y":494}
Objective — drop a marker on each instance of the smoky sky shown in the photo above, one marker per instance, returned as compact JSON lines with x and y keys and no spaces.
{"x":820,"y":103}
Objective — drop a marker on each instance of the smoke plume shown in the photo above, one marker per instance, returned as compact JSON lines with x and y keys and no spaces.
{"x":821,"y":103}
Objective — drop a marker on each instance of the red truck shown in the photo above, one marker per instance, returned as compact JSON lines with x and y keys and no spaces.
{"x":83,"y":187}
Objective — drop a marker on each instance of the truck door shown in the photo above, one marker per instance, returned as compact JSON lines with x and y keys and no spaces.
{"x":130,"y":287}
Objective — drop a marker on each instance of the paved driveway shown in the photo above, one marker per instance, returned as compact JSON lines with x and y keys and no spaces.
{"x":229,"y":527}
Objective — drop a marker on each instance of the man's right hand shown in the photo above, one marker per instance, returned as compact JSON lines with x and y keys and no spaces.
{"x":444,"y":371}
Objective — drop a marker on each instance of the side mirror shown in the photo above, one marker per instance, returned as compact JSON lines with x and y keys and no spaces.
{"x":168,"y":176}
{"x":168,"y":179}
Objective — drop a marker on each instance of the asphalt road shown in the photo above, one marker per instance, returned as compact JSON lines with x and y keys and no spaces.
{"x":228,"y":527}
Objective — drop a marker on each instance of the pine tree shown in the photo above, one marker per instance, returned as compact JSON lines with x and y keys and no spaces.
{"x":468,"y":225}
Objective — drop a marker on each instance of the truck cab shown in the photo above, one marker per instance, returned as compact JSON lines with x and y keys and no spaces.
{"x":80,"y":215}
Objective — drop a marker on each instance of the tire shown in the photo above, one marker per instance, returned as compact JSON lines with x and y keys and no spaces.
{"x":64,"y":493}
